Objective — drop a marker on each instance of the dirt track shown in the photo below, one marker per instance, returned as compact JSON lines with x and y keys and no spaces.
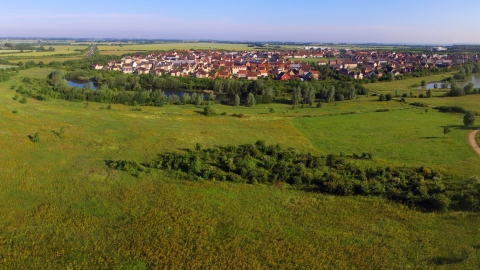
{"x":473,"y":143}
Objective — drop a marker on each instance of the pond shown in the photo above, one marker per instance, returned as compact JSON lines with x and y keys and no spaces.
{"x":475,"y":79}
{"x":81,"y":84}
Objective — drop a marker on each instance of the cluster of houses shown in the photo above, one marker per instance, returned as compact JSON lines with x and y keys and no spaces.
{"x":361,"y":64}
{"x":284,"y":65}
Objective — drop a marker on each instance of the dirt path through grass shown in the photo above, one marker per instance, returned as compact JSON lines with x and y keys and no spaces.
{"x":473,"y":142}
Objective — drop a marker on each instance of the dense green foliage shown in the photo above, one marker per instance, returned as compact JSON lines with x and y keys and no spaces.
{"x":332,"y":174}
{"x":469,"y":119}
{"x":147,"y":89}
{"x":451,"y":109}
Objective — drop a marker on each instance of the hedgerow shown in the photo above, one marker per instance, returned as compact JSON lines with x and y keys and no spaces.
{"x":333,"y":174}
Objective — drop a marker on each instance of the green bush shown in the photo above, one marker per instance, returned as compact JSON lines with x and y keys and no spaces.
{"x":469,"y":119}
{"x":209,"y":111}
{"x":451,"y":109}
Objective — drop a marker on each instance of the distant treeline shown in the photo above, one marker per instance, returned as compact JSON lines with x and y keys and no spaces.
{"x":332,"y":174}
{"x":466,"y":70}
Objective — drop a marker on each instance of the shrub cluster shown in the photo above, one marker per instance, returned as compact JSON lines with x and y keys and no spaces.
{"x":333,"y":174}
{"x":451,"y":109}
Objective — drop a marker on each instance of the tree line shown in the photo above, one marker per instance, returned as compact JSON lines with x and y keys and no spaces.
{"x":146,"y":89}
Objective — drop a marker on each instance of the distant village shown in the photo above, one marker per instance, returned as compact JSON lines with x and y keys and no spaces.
{"x":283,"y":65}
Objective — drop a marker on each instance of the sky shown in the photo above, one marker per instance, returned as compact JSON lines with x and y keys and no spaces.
{"x":339,"y":21}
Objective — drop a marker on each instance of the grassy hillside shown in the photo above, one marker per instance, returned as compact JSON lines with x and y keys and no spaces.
{"x":61,"y":207}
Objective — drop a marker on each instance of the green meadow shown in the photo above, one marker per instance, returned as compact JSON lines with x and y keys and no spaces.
{"x":62,"y":207}
{"x":59,"y":49}
{"x":408,"y":85}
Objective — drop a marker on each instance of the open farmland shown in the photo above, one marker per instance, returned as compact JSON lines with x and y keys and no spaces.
{"x":178,"y":46}
{"x":6,"y":66}
{"x":59,"y":49}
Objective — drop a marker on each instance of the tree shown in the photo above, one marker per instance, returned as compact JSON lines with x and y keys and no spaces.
{"x":296,"y":96}
{"x":319,"y":104}
{"x":331,"y":94}
{"x":435,"y":86}
{"x":468,"y":89}
{"x":309,"y":96}
{"x":237,"y":100}
{"x":381,"y":97}
{"x":251,"y":101}
{"x":209,"y":111}
{"x":388,"y":97}
{"x":185,"y":98}
{"x":352,"y":93}
{"x":469,"y":119}
{"x":211,"y":96}
{"x":267,"y":95}
{"x":446,"y":130}
{"x":199,"y":100}
{"x":424,"y":83}
{"x":390,"y":77}
{"x":429,"y":93}
{"x":397,"y":93}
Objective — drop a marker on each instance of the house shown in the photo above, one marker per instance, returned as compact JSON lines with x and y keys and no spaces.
{"x":142,"y":70}
{"x":263,"y":72}
{"x":242,"y":74}
{"x":322,"y":62}
{"x":127,"y":68}
{"x":283,"y":77}
{"x":96,"y":66}
{"x":201,"y":74}
{"x":158,"y":72}
{"x":252,"y":76}
{"x":356,"y":75}
{"x":223,"y":74}
{"x":349,"y":64}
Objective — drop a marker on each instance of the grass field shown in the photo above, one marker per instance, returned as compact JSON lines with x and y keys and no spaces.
{"x":59,"y":49}
{"x":407,"y":86}
{"x":6,"y":66}
{"x":470,"y":102}
{"x":408,"y":137}
{"x":45,"y":60}
{"x":60,"y":207}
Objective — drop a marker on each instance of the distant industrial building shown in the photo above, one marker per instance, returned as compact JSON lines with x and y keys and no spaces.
{"x":438,"y":49}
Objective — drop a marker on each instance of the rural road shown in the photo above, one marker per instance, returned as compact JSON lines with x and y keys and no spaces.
{"x":92,"y":51}
{"x":473,"y":143}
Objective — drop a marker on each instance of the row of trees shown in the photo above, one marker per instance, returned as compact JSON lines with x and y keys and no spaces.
{"x":112,"y":90}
